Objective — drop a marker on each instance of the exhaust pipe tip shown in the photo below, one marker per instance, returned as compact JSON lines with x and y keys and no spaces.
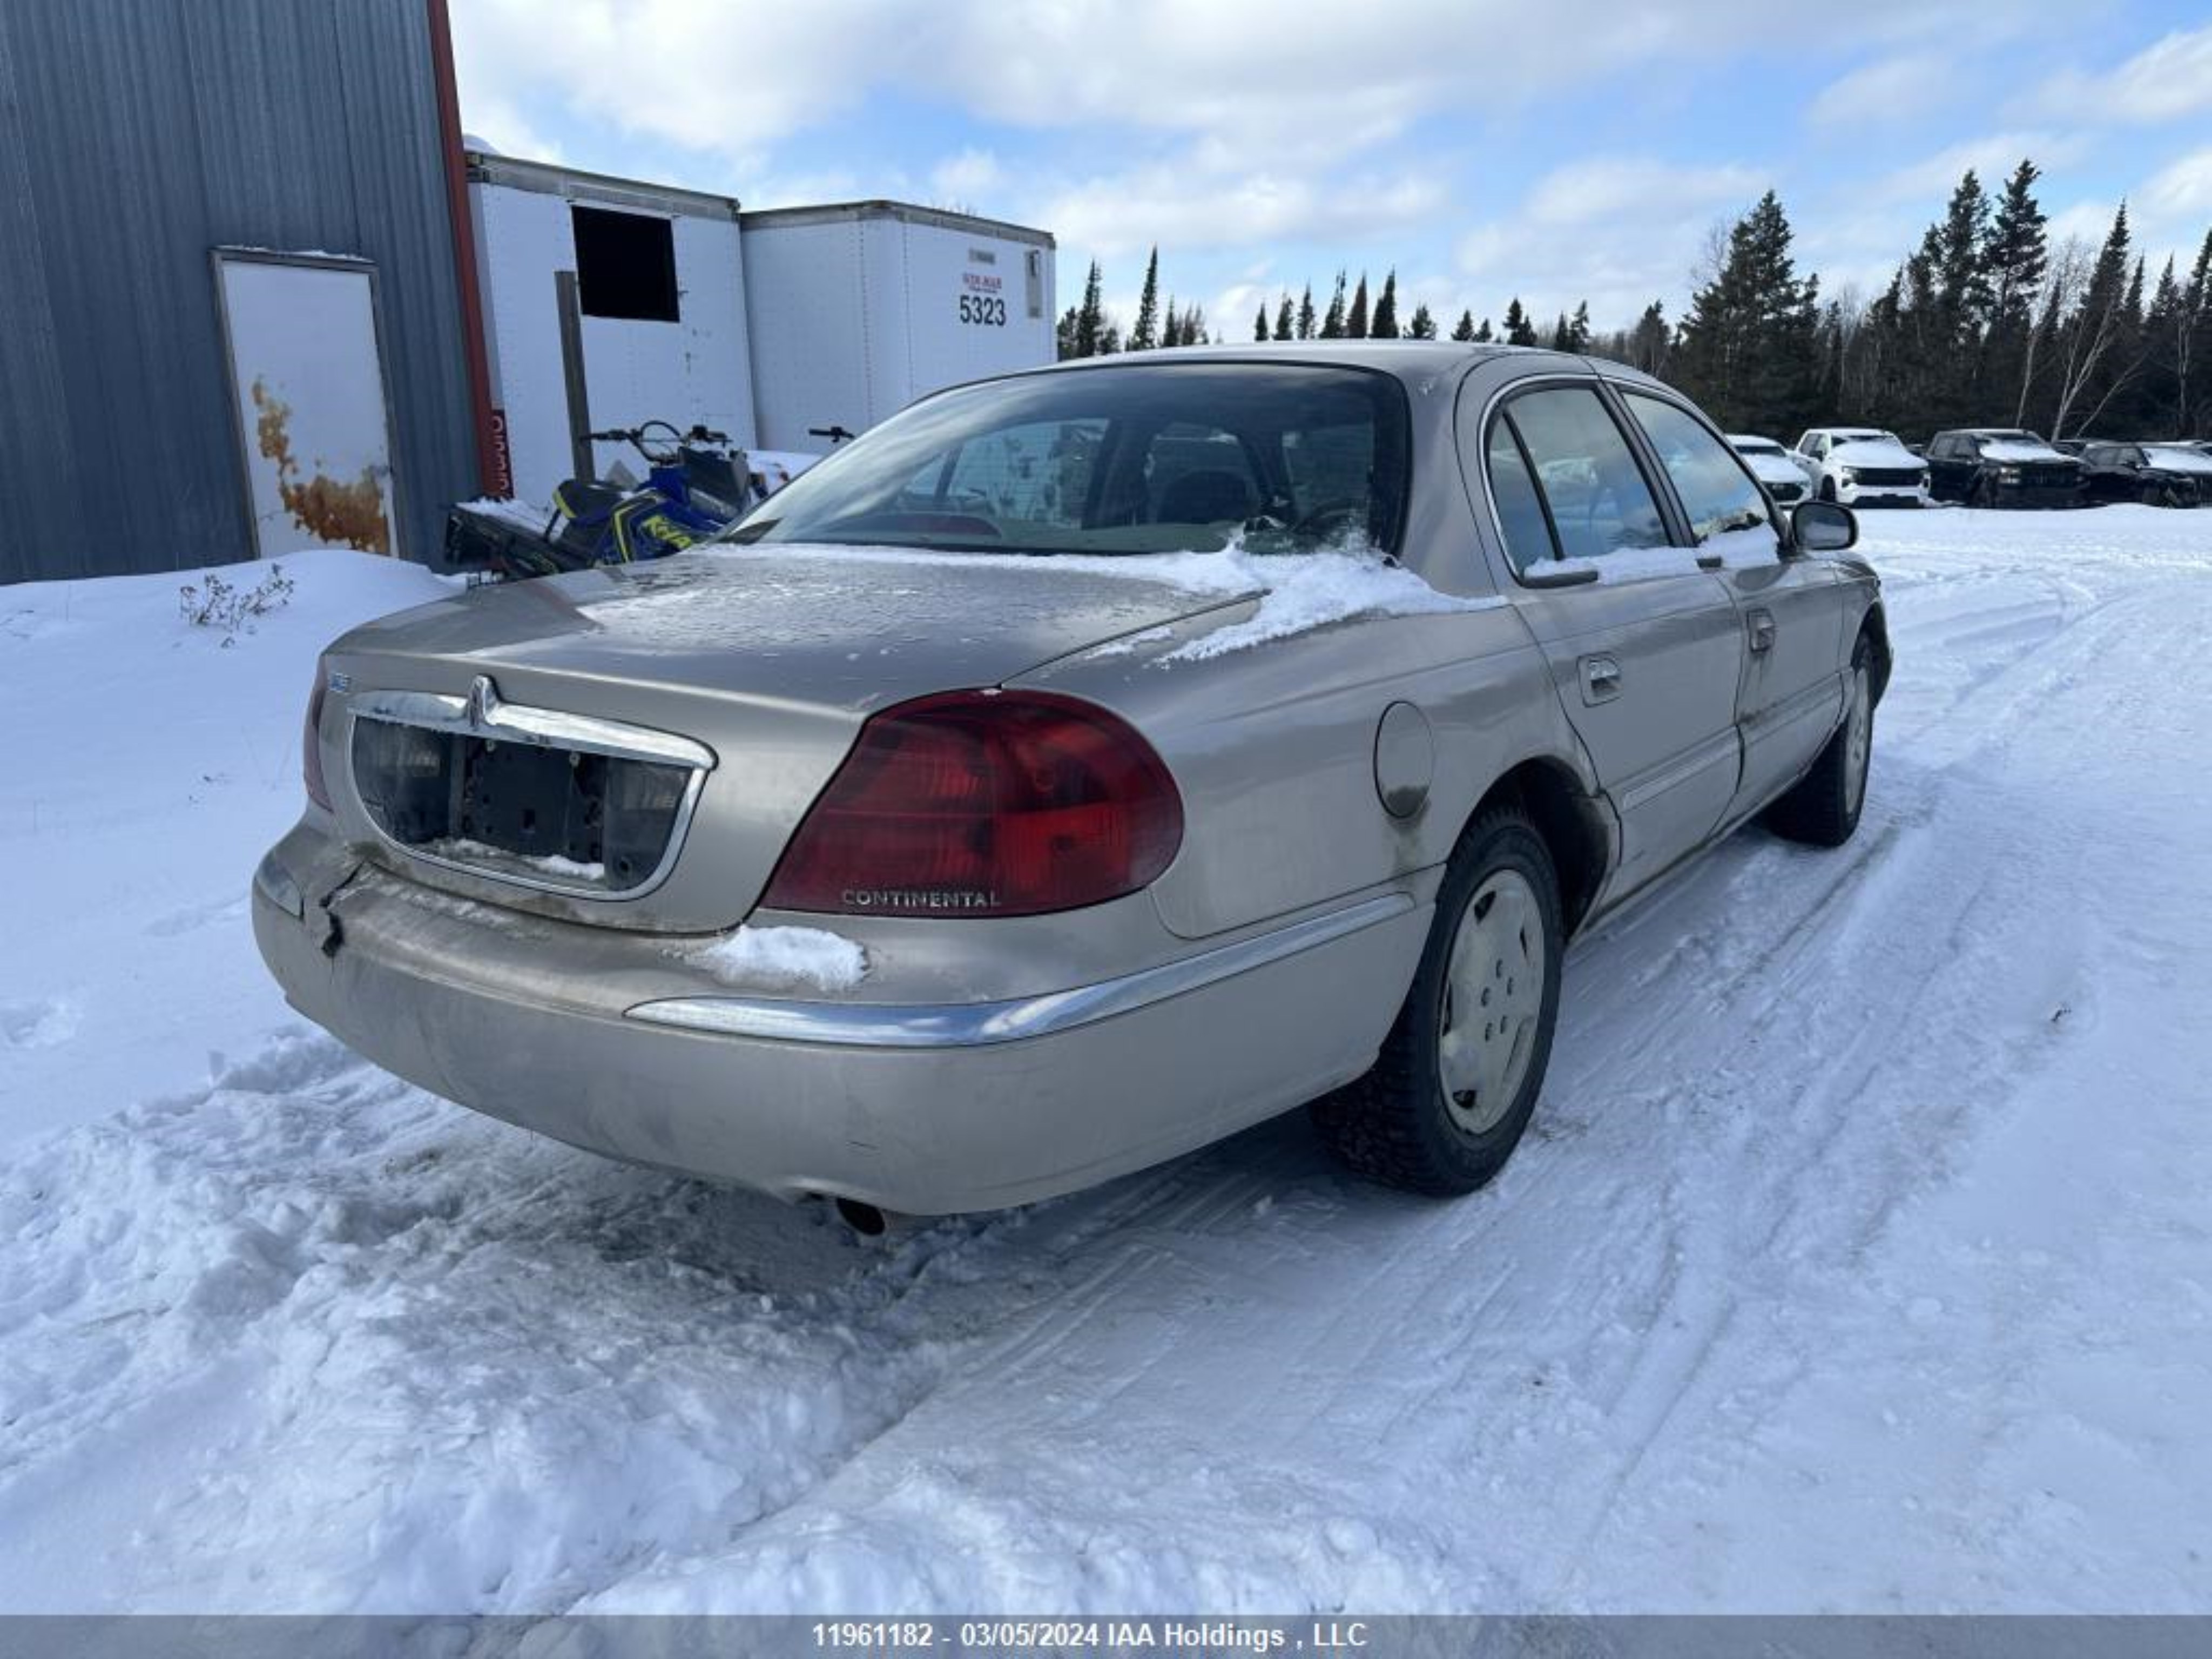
{"x":865,"y":1220}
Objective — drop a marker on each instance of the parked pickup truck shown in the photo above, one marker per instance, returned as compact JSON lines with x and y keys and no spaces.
{"x":1862,"y":466}
{"x":2002,"y":466}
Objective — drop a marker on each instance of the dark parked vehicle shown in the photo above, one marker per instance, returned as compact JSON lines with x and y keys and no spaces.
{"x":1994,"y":466}
{"x":2157,"y":474}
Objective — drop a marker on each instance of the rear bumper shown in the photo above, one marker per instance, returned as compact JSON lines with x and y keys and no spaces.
{"x":593,"y":1037}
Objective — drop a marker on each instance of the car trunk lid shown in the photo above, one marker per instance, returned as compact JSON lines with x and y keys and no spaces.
{"x":634,"y":746}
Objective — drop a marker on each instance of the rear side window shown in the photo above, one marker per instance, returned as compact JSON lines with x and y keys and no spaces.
{"x":1585,"y":472}
{"x":1716,"y":491}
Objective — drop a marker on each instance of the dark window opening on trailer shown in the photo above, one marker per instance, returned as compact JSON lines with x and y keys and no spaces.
{"x":625,"y":265}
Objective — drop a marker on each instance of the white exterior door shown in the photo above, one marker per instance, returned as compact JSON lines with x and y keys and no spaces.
{"x":307,"y":382}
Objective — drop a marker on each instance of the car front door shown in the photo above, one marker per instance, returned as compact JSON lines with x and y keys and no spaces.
{"x":1791,"y":608}
{"x":1960,"y":466}
{"x":1644,"y":646}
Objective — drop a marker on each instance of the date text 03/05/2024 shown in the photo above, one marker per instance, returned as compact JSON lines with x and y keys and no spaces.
{"x":1107,"y":1635}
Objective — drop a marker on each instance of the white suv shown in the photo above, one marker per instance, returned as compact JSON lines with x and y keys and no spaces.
{"x":1862,"y":466}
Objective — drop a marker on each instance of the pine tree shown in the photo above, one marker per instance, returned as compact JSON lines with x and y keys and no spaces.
{"x":1483,"y":336}
{"x":1579,"y":328}
{"x":1145,"y":334}
{"x":1518,"y":329}
{"x":1749,"y":349}
{"x":1383,"y":325}
{"x":1463,"y":330}
{"x":2014,"y":259}
{"x":2092,"y":363}
{"x":1171,"y":326}
{"x":1090,"y":317}
{"x":2194,"y":343}
{"x":1423,"y":326}
{"x":1648,"y":341}
{"x":1559,"y":340}
{"x":1951,"y":335}
{"x":1332,"y":323}
{"x":1306,"y":314}
{"x":2157,"y":401}
{"x":1355,"y":324}
{"x":1064,"y":333}
{"x":1259,"y":324}
{"x":1284,"y":323}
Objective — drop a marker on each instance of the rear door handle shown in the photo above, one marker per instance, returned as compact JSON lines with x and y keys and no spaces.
{"x":1600,"y":680}
{"x":1762,"y":630}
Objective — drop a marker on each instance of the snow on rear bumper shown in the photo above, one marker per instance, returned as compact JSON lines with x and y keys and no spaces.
{"x":925,"y":1110}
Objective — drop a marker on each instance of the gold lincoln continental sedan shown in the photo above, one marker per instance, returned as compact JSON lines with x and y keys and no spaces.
{"x":1079,"y":767}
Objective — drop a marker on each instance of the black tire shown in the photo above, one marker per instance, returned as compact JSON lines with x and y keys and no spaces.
{"x":1397,"y":1125}
{"x":1822,"y":808}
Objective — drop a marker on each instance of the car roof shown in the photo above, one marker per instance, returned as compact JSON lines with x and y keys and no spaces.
{"x":1409,"y":360}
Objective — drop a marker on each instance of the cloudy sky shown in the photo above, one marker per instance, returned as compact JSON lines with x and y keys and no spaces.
{"x":1555,"y":149}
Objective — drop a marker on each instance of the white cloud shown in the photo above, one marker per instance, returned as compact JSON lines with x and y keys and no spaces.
{"x":1192,"y":209}
{"x":2163,"y":82}
{"x":1609,"y":187}
{"x":2088,"y":221}
{"x":1618,"y":232}
{"x":2183,"y":188}
{"x":1992,"y":157}
{"x":1889,"y":89}
{"x":1303,"y":84}
{"x":967,"y":177}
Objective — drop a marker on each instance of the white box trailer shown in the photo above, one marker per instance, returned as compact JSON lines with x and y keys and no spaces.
{"x":607,"y":303}
{"x":856,"y":310}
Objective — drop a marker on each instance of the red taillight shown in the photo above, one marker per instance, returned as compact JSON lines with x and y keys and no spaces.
{"x":984,"y":804}
{"x":311,"y":747}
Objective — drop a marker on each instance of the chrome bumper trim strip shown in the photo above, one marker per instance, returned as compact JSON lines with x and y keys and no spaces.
{"x":978,"y":1025}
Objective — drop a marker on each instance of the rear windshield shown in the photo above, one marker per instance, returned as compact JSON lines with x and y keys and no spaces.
{"x":1146,"y":458}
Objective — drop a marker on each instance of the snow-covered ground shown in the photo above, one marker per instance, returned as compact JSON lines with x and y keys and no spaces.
{"x":1860,"y":1258}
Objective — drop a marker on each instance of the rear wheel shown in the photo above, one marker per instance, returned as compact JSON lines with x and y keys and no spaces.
{"x":1823,"y":807}
{"x":1453,"y":1089}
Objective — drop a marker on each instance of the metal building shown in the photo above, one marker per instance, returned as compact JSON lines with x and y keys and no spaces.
{"x":164,"y":164}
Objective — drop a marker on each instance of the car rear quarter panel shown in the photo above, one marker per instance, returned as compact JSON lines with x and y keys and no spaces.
{"x":1273,"y":748}
{"x":1275,"y":745}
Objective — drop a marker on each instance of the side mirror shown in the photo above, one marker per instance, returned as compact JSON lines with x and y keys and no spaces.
{"x":1823,"y":527}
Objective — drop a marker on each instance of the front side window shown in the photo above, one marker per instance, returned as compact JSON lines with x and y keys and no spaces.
{"x":1598,"y":500}
{"x":1134,"y":459}
{"x":1717,"y":494}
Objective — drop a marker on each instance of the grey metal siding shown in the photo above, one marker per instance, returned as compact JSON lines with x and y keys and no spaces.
{"x":135,"y":135}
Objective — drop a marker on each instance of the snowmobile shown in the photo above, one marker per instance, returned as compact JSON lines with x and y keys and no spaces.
{"x":697,"y":483}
